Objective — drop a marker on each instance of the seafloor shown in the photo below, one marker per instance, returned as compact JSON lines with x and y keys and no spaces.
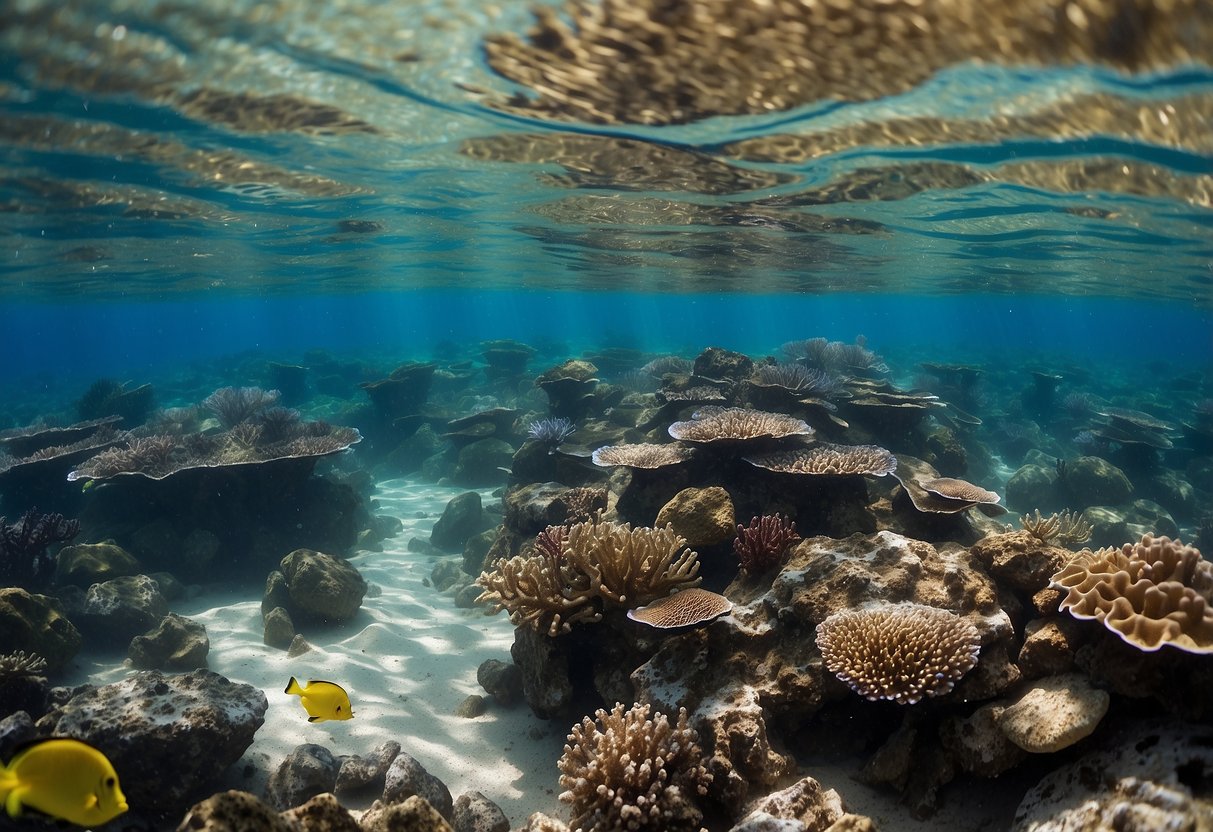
{"x":824,"y":589}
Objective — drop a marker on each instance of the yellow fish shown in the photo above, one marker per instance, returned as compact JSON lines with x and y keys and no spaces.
{"x":63,"y":778}
{"x":322,"y":700}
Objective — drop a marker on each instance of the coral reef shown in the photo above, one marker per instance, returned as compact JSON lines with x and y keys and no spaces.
{"x":1155,"y":593}
{"x":24,"y":558}
{"x":900,"y":652}
{"x":600,"y":563}
{"x":630,"y":768}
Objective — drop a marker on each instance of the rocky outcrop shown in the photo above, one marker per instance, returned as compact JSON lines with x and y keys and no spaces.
{"x":322,"y":587}
{"x":177,"y":643}
{"x":37,"y":624}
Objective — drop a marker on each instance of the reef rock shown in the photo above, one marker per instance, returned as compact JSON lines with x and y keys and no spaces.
{"x":413,"y":815}
{"x":1053,"y":714}
{"x":278,"y":630}
{"x":366,"y":771}
{"x":321,"y":813}
{"x":1035,"y":486}
{"x":85,"y":564}
{"x":476,"y":813}
{"x":37,"y":624}
{"x":406,"y":777}
{"x":462,"y":518}
{"x":811,"y":807}
{"x":233,"y":811}
{"x":501,"y":680}
{"x":114,"y":612}
{"x":544,"y":666}
{"x":977,"y":745}
{"x":1019,"y":560}
{"x":177,"y":643}
{"x":704,"y":516}
{"x":170,"y":736}
{"x":1142,"y":781}
{"x":322,"y":586}
{"x":1093,"y":481}
{"x":307,"y":771}
{"x":483,"y":463}
{"x":1049,"y":646}
{"x":765,"y":652}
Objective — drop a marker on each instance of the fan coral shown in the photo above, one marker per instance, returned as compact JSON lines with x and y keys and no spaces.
{"x":1067,"y":528}
{"x":761,"y":545}
{"x":901,"y":652}
{"x":825,"y":458}
{"x":1154,"y":593}
{"x":233,"y":405}
{"x":600,"y":564}
{"x":551,"y":431}
{"x":24,"y":561}
{"x":724,"y":424}
{"x":627,"y":770}
{"x":686,"y":608}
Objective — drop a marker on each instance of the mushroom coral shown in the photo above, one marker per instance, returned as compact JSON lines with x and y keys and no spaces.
{"x":1153,"y":593}
{"x":600,"y":564}
{"x":901,"y":652}
{"x":629,"y":769}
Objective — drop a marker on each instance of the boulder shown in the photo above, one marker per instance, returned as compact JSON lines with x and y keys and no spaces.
{"x":1093,"y":481}
{"x":177,"y":643}
{"x":474,"y":812}
{"x":170,"y":736}
{"x":233,"y":811}
{"x":483,"y":463}
{"x":85,"y":564}
{"x":358,"y":773}
{"x":117,"y":610}
{"x":37,"y":624}
{"x":307,"y":771}
{"x":278,"y":629}
{"x":462,"y":518}
{"x":704,"y":516}
{"x":322,"y":586}
{"x":406,"y":777}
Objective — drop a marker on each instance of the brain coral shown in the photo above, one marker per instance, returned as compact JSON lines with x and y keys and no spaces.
{"x":627,"y":770}
{"x":901,"y":652}
{"x":1153,"y":593}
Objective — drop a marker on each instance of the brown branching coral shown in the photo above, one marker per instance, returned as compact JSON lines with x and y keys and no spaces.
{"x":632,"y":770}
{"x":760,"y":545}
{"x":600,"y":564}
{"x":233,"y":405}
{"x":1155,"y":593}
{"x":828,"y":459}
{"x":1067,"y":528}
{"x":901,"y":652}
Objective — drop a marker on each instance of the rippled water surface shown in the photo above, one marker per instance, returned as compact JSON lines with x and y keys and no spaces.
{"x":154,"y":148}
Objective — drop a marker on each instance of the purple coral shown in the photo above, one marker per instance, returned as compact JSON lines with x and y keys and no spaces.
{"x":761,"y":545}
{"x":24,"y":561}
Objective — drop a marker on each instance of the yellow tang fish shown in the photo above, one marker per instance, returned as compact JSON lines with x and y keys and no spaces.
{"x":63,"y":778}
{"x":322,"y":700}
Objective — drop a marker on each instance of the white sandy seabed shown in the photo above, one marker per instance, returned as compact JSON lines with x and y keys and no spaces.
{"x":410,"y":658}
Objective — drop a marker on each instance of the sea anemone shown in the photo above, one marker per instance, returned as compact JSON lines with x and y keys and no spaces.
{"x":551,"y":431}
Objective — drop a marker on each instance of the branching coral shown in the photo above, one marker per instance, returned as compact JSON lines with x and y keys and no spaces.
{"x":901,"y":652}
{"x":734,"y":424}
{"x":20,"y":663}
{"x":24,"y":561}
{"x":600,"y":564}
{"x":760,"y":545}
{"x":1154,"y":593}
{"x":629,"y":770}
{"x":1067,"y":528}
{"x":233,"y":405}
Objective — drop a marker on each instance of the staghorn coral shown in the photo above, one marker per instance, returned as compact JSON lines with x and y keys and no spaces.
{"x":685,"y":608}
{"x":1152,"y":594}
{"x":1066,"y":527}
{"x":600,"y":564}
{"x":735,"y":424}
{"x":902,"y":651}
{"x":760,"y":545}
{"x":632,"y":770}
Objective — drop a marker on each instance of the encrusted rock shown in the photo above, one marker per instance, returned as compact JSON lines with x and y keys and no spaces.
{"x":1049,"y":645}
{"x":413,"y":815}
{"x":406,"y":777}
{"x":977,"y":745}
{"x":168,"y":735}
{"x":366,"y":771}
{"x":1093,"y":481}
{"x":1019,"y":560}
{"x":704,"y":516}
{"x":544,"y":664}
{"x":472,"y":706}
{"x":483,"y":463}
{"x":501,"y":680}
{"x":806,"y":802}
{"x":279,"y":629}
{"x":116,"y":611}
{"x":474,"y":812}
{"x":1053,"y":714}
{"x":322,"y":586}
{"x":233,"y":811}
{"x":37,"y":624}
{"x":177,"y":643}
{"x":322,"y":813}
{"x":307,"y":771}
{"x":462,"y":518}
{"x":85,"y":564}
